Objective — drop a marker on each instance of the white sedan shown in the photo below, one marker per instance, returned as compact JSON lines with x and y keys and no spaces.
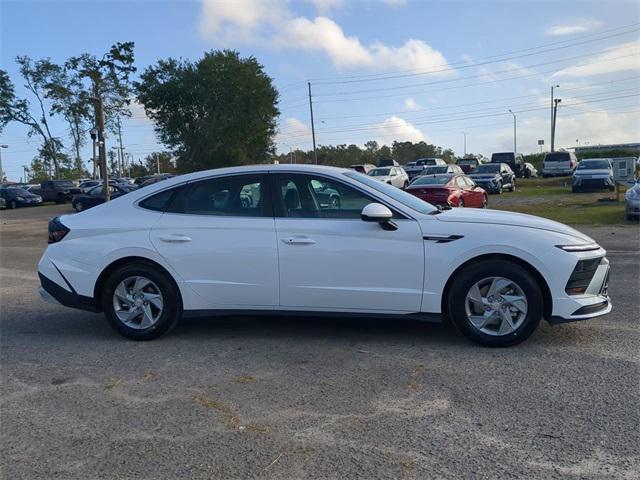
{"x":395,"y":176}
{"x":304,"y":239}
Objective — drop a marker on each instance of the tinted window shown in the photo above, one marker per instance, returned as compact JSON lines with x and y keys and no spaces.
{"x":434,"y":170}
{"x":307,"y":196}
{"x":159,"y":201}
{"x":594,"y":165}
{"x":235,"y":196}
{"x":435,"y":180}
{"x":502,"y":157}
{"x":486,"y":168}
{"x":557,"y":157}
{"x":380,"y":172}
{"x":467,"y":161}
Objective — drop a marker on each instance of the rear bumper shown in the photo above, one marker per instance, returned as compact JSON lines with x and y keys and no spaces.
{"x":51,"y":292}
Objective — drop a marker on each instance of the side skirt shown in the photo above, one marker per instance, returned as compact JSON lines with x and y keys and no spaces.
{"x":423,"y":317}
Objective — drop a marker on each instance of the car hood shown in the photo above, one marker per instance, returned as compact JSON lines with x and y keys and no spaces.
{"x":500,"y":217}
{"x":577,"y":173}
{"x":484,"y":176}
{"x":381,"y":179}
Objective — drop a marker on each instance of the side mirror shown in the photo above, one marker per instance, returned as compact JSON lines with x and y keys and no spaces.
{"x":376,"y":212}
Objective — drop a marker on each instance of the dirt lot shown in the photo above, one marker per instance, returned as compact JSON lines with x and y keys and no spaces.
{"x":311,"y":398}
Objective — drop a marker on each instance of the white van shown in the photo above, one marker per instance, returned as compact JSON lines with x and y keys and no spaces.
{"x":559,"y":163}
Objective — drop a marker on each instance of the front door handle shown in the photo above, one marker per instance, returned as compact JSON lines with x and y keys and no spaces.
{"x":298,"y":241}
{"x":175,"y":238}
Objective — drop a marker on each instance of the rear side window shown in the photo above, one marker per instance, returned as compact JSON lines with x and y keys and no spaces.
{"x":557,"y":157}
{"x":234,"y":196}
{"x":159,"y":201}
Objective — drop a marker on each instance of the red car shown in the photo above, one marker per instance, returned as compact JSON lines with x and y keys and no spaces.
{"x":452,"y":190}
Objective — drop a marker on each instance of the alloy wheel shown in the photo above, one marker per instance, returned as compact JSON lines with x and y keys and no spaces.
{"x":138,"y":302}
{"x":496,"y":306}
{"x":79,"y":206}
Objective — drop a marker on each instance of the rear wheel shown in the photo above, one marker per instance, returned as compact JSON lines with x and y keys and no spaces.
{"x":406,"y":184}
{"x":78,"y":206}
{"x":60,"y":198}
{"x":12,"y":204}
{"x":461,"y":203}
{"x":495,"y":303}
{"x":141,"y":302}
{"x":485,"y":201}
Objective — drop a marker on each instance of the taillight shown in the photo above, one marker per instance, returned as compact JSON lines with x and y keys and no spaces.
{"x":57,"y":231}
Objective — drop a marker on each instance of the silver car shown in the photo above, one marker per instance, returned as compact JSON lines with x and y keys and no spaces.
{"x":395,"y":176}
{"x":593,"y":173}
{"x":632,"y":198}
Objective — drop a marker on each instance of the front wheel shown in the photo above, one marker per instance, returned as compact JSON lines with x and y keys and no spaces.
{"x":495,"y":303}
{"x":461,"y":203}
{"x":12,"y":204}
{"x":485,"y":201}
{"x":78,"y":206}
{"x":406,"y":184}
{"x":141,"y":302}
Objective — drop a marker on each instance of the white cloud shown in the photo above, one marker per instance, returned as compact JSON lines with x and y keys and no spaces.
{"x":576,"y":26}
{"x":396,"y":128}
{"x":411,"y":104}
{"x":619,"y":59}
{"x":293,"y":132}
{"x":271,"y":22}
{"x":138,"y":115}
{"x":395,"y":3}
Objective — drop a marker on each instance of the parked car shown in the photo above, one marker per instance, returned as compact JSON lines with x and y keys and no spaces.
{"x":632,"y":200}
{"x":395,"y":176}
{"x":449,"y":190}
{"x":15,"y":197}
{"x":363,"y":168}
{"x":558,"y":164}
{"x":593,"y":173}
{"x":388,"y":163}
{"x":59,"y":191}
{"x":468,"y":164}
{"x":494,"y":274}
{"x":414,"y":168}
{"x":3,"y":202}
{"x":514,"y":160}
{"x":95,"y":196}
{"x":530,"y":171}
{"x":437,"y":169}
{"x":155,"y":179}
{"x":494,"y":177}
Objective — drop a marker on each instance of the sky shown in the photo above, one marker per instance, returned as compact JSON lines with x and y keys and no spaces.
{"x":380,"y":70}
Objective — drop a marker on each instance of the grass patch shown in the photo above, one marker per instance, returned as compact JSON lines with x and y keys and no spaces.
{"x":592,"y":213}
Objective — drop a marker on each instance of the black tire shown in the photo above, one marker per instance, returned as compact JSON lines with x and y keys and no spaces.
{"x":78,"y":206}
{"x":12,"y":204}
{"x":499,"y":191}
{"x":513,"y":186}
{"x":575,"y":190}
{"x":461,"y":203}
{"x":467,"y":278}
{"x":485,"y":201}
{"x":60,"y":199}
{"x":172,"y":305}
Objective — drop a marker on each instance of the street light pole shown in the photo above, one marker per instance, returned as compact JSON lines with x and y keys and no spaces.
{"x":465,"y":142}
{"x":553,"y":127}
{"x":556,"y":101}
{"x":1,"y":170}
{"x":515,"y":145}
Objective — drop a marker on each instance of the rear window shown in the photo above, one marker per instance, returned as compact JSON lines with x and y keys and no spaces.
{"x":435,"y":169}
{"x":488,"y":168}
{"x":502,"y":158}
{"x":435,"y":180}
{"x":467,"y":161}
{"x":557,"y":157}
{"x":63,"y":183}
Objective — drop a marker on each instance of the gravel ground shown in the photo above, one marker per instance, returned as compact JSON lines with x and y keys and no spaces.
{"x":314,"y":398}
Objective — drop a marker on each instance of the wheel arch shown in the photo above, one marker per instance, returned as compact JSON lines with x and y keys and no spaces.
{"x":113,"y":266}
{"x":546,"y":292}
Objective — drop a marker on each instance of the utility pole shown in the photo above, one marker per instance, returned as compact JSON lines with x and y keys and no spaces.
{"x":313,"y":128}
{"x":553,"y":127}
{"x":556,"y":101}
{"x":158,"y":163}
{"x":94,"y":135}
{"x":102,"y":149}
{"x":465,"y":142}
{"x":515,"y":145}
{"x":2,"y":171}
{"x":121,"y":151}
{"x":24,"y":171}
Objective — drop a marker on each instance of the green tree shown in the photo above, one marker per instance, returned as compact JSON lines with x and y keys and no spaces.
{"x":218,"y":111}
{"x":164,"y":159}
{"x":7,"y":99}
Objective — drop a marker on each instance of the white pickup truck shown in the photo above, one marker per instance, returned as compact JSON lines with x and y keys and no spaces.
{"x":414,"y":168}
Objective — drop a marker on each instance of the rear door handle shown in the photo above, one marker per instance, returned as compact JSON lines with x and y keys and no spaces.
{"x":175,"y":238}
{"x":298,"y":241}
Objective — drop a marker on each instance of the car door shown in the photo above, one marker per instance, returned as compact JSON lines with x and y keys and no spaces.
{"x":329,"y":259}
{"x":218,"y":234}
{"x":476,"y":196}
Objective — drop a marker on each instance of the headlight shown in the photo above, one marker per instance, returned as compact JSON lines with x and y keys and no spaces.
{"x":582,"y":247}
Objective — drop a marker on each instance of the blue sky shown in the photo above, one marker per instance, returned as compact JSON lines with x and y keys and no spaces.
{"x":382,"y":70}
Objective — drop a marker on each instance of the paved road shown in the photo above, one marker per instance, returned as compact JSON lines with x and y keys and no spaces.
{"x":310,"y":398}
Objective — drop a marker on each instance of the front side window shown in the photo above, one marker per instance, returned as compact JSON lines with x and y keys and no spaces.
{"x":236,"y":196}
{"x":307,"y":196}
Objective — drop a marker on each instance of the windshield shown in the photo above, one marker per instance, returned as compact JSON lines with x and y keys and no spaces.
{"x":398,"y":195}
{"x":434,"y":169}
{"x":502,"y":157}
{"x":557,"y":157}
{"x":380,"y":172}
{"x":435,"y":180}
{"x":488,"y":168}
{"x":594,"y":165}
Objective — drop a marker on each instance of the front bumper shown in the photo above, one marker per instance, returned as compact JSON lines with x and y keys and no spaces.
{"x":593,"y":182}
{"x":633,"y":207}
{"x":595,"y":301}
{"x":490,"y":187}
